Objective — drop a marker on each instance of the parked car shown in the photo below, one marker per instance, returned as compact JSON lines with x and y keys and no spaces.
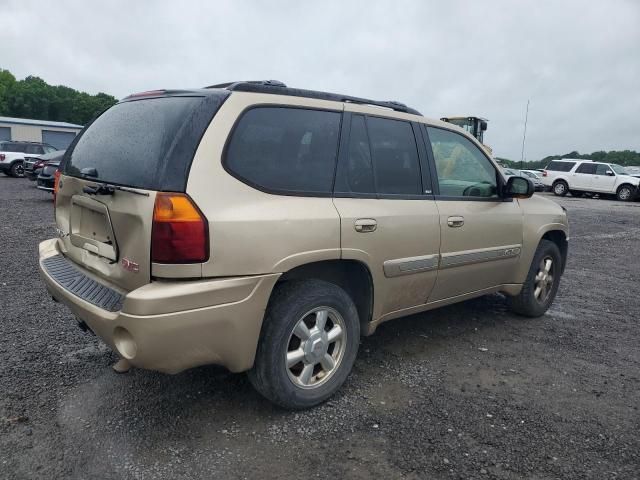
{"x":282,"y":225}
{"x":585,"y":176}
{"x":535,"y":179}
{"x":47,"y":175}
{"x":12,"y":154}
{"x":33,"y":165}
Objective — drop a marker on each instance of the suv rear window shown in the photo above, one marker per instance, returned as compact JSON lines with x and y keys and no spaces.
{"x":560,"y":166}
{"x":285,"y":150}
{"x":13,"y":147}
{"x":131,"y":142}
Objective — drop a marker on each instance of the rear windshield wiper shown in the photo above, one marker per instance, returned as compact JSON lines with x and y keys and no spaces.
{"x":107,"y":189}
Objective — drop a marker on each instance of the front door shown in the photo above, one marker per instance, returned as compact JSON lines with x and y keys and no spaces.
{"x":582,"y":179}
{"x":481,"y":233}
{"x":387,"y":221}
{"x":603,"y":181}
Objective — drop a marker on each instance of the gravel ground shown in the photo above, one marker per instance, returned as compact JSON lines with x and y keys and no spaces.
{"x":468,"y":391}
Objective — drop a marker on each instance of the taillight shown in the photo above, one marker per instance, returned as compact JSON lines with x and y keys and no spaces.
{"x":2,"y":157}
{"x":179,"y":233}
{"x":544,"y":173}
{"x":56,"y":181}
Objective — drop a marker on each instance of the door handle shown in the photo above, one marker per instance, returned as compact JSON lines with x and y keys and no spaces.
{"x":364,"y":225}
{"x":455,"y":221}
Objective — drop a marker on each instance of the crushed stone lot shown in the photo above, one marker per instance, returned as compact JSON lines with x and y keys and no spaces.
{"x":467,"y":391}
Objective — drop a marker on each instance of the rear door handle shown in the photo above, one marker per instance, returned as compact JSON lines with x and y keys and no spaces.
{"x":364,"y":225}
{"x":455,"y":221}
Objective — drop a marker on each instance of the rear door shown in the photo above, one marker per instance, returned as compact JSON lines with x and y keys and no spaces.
{"x":481,"y":233}
{"x":143,"y":145}
{"x":389,"y":220}
{"x":582,"y":178}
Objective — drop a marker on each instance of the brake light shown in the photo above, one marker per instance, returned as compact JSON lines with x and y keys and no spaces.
{"x":56,"y":181}
{"x":2,"y":157}
{"x":179,"y":233}
{"x":544,"y":173}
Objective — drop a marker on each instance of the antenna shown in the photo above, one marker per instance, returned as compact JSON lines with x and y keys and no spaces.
{"x":524,"y":135}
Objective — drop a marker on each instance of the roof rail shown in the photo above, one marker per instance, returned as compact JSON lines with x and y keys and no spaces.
{"x":279,"y":88}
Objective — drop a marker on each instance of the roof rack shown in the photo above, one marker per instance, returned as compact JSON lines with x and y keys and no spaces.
{"x":279,"y":88}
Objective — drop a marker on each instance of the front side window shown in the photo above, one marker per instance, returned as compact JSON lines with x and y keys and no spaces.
{"x":463,"y":170}
{"x":602,"y":169}
{"x":285,"y":149}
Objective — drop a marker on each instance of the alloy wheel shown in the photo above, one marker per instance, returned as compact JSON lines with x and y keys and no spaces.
{"x":316,"y":347}
{"x":544,"y":280}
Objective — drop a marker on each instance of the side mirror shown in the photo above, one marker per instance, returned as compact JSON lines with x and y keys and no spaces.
{"x":518,"y":187}
{"x":483,"y":126}
{"x":610,"y":173}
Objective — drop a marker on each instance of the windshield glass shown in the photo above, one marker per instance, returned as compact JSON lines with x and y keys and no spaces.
{"x":128,"y":144}
{"x":619,"y":169}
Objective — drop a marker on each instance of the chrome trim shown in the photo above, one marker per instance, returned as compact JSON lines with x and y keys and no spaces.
{"x":410,"y":265}
{"x":457,"y":259}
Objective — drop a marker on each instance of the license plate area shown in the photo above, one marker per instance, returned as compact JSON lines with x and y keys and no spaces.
{"x":90,"y":227}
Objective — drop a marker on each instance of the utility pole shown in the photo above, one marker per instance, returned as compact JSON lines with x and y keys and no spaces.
{"x":524,"y":136}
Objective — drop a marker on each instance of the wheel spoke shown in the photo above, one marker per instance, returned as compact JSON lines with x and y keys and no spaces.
{"x":327,"y":362}
{"x":305,"y":375}
{"x":321,"y":319}
{"x":301,"y":331}
{"x":547,"y":265}
{"x":550,"y":280}
{"x":334,"y":334}
{"x":294,"y":357}
{"x":537,"y":291}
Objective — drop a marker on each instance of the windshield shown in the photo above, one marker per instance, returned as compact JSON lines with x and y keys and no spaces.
{"x":128,"y":144}
{"x":619,"y":169}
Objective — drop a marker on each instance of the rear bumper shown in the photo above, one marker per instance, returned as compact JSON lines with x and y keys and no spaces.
{"x":170,"y":326}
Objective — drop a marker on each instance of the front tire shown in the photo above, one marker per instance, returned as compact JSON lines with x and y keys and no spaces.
{"x":308,"y":344}
{"x":624,"y":193}
{"x":560,"y":188}
{"x":541,"y":284}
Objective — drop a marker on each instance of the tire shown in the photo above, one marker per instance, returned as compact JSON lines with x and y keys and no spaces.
{"x":624,"y":193}
{"x":528,"y":303}
{"x":16,"y":170}
{"x":560,"y":188}
{"x":292,"y":305}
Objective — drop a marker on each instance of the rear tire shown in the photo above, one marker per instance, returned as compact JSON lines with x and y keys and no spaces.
{"x":541,"y":284}
{"x":308,"y":344}
{"x":16,"y":170}
{"x":560,"y":188}
{"x":625,"y":193}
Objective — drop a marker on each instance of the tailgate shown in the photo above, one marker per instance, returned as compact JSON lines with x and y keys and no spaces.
{"x":108,"y":234}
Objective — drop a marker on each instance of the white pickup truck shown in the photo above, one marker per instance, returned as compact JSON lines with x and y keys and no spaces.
{"x":13,"y":153}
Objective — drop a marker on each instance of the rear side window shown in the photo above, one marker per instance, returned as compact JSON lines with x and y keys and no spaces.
{"x":14,"y":147}
{"x":588,"y":168}
{"x":289,"y":150}
{"x":130,"y":143}
{"x":560,"y":166}
{"x":395,"y":157}
{"x":381,"y":159}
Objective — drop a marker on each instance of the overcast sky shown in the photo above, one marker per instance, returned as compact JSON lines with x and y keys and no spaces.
{"x":578,"y":61}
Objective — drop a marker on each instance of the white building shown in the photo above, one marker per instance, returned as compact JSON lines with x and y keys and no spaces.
{"x":57,"y":134}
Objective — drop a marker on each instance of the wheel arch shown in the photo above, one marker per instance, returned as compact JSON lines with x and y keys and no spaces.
{"x":353,"y":276}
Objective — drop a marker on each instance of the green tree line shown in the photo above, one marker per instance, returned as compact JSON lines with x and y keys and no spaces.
{"x":625,"y":158}
{"x":35,"y":98}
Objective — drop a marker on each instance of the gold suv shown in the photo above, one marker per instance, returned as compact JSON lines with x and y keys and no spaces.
{"x":266,"y":228}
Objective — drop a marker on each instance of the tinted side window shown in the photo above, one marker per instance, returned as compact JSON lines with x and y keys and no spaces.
{"x":34,"y":149}
{"x":463,"y":170}
{"x":15,"y":147}
{"x":601,"y":169}
{"x":560,"y":166}
{"x":588,"y":168}
{"x":355,"y":172}
{"x":285,"y":149}
{"x":395,"y":157}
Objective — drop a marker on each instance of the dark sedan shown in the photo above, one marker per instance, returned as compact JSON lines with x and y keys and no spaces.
{"x":46,"y":178}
